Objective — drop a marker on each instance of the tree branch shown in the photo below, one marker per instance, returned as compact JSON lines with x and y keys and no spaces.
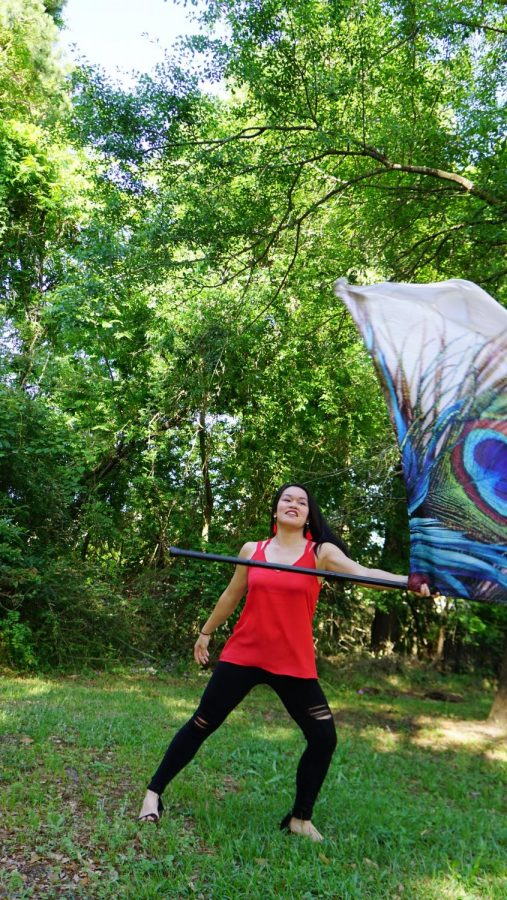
{"x":246,"y":134}
{"x":431,"y":172}
{"x":480,"y":26}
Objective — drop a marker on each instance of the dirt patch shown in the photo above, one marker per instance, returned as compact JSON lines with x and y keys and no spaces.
{"x":485,"y":737}
{"x":49,"y":875}
{"x":434,"y":732}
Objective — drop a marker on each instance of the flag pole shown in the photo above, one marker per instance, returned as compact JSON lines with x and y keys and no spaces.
{"x":295,"y":570}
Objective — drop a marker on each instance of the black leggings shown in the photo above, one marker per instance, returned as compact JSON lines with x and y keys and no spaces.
{"x":303,"y":699}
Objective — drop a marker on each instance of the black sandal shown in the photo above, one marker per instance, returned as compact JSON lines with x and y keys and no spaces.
{"x":153,"y":817}
{"x":284,"y":824}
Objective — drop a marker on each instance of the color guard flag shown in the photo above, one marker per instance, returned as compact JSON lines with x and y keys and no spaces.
{"x":440,"y":351}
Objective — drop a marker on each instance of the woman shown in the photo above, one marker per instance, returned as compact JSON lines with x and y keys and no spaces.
{"x":272,"y":644}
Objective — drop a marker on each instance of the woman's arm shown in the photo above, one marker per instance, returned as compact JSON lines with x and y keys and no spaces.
{"x":226,"y":604}
{"x":333,"y":559}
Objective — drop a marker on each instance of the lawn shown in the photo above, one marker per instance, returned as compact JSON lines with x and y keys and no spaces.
{"x":415,"y":804}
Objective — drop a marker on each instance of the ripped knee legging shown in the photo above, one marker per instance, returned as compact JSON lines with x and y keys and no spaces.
{"x":303,"y":699}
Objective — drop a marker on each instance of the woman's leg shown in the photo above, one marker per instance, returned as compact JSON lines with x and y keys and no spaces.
{"x":304,"y":700}
{"x":227,"y":687}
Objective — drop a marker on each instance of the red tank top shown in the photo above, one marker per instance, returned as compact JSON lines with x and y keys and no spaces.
{"x":274,"y":631}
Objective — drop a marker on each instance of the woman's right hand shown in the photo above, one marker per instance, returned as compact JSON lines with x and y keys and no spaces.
{"x":201,"y":654}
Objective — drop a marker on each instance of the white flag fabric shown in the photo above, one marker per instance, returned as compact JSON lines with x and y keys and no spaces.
{"x":440,"y":351}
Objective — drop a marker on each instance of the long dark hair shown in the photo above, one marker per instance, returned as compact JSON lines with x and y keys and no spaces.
{"x":319,"y":528}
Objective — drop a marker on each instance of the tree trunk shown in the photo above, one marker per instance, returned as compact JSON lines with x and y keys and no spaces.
{"x":498,"y":713}
{"x":385,"y":629}
{"x":438,"y":655}
{"x":158,"y":558}
{"x":207,"y":498}
{"x":86,"y":544}
{"x":386,"y":626}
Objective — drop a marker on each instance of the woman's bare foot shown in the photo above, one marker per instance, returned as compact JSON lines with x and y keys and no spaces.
{"x":150,"y":810}
{"x":304,"y":826}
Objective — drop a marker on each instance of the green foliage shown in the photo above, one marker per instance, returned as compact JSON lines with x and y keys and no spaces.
{"x":475,"y":635}
{"x":55,"y":9}
{"x":171,"y":347}
{"x":31,"y":84}
{"x":17,"y":642}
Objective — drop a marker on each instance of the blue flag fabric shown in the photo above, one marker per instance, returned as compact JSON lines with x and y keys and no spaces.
{"x":440,"y":351}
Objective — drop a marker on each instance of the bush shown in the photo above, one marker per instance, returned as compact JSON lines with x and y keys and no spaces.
{"x":17,"y":642}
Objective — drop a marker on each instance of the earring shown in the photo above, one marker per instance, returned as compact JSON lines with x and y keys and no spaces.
{"x":275,"y":528}
{"x":307,"y":532}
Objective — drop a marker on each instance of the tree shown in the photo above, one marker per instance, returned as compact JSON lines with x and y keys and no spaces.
{"x":498,"y":712}
{"x":167,"y":265}
{"x":385,"y":116}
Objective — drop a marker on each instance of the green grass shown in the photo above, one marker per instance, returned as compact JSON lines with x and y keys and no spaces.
{"x":414,"y":805}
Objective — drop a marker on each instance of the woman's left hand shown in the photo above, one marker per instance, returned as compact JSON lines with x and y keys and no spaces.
{"x":419,"y":584}
{"x":201,"y":654}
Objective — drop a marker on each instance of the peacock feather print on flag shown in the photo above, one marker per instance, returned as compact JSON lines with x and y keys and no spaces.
{"x":440,"y":351}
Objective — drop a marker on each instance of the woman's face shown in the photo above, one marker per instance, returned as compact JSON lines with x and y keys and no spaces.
{"x":292,"y":509}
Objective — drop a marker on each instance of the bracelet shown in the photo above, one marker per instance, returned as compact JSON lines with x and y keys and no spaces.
{"x":206,"y":633}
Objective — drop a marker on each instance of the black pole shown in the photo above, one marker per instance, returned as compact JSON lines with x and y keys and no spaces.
{"x":299,"y":570}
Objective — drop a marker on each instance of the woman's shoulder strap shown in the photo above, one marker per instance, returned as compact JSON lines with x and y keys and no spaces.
{"x":310,"y":549}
